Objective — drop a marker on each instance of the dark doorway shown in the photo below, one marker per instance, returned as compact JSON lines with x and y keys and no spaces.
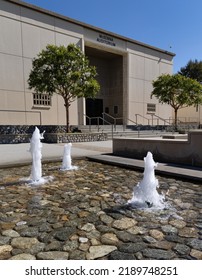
{"x":94,"y":108}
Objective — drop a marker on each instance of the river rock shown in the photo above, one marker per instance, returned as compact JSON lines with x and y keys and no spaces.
{"x":158,"y":254}
{"x":23,"y":256}
{"x":182,"y":249}
{"x":53,"y":255}
{"x":109,"y":239}
{"x":132,"y":247}
{"x":124,"y":223}
{"x":196,"y":254}
{"x":158,"y":235}
{"x":5,"y":248}
{"x":188,"y":232}
{"x":88,"y":227}
{"x":10,"y":233}
{"x":178,"y":223}
{"x":99,"y":251}
{"x":24,"y":242}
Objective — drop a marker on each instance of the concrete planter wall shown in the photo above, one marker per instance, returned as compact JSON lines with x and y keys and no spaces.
{"x":188,"y":152}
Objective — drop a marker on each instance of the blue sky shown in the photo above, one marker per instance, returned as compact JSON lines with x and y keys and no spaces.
{"x":172,"y":25}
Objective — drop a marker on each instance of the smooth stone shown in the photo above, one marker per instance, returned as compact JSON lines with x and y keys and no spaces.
{"x":117,"y":255}
{"x":83,"y":239}
{"x":4,"y":240}
{"x":178,"y":223}
{"x":168,"y":229}
{"x":137,"y":230}
{"x":124,"y":223}
{"x":23,"y":256}
{"x":99,"y":251}
{"x":109,"y":239}
{"x":132,"y":247}
{"x":24,"y":242}
{"x":188,"y":232}
{"x":182,"y":249}
{"x":149,"y":239}
{"x":64,"y":233}
{"x":70,"y":245}
{"x":77,"y":255}
{"x":55,"y":245}
{"x":196,"y":254}
{"x":5,"y":248}
{"x":128,"y":237}
{"x":158,"y":254}
{"x":88,"y":227}
{"x":53,"y":255}
{"x":195,"y":244}
{"x":106,"y":219}
{"x":163,"y":244}
{"x":158,"y":235}
{"x":29,"y":232}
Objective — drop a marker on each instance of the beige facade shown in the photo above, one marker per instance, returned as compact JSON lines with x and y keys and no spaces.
{"x":125,"y":69}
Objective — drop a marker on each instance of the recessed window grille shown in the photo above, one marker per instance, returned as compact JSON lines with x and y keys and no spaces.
{"x":151,"y":108}
{"x":41,"y":99}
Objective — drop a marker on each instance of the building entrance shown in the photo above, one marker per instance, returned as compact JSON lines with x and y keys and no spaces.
{"x":94,"y":108}
{"x":109,"y":67}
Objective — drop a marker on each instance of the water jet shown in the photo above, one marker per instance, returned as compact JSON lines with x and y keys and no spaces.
{"x":145,"y":193}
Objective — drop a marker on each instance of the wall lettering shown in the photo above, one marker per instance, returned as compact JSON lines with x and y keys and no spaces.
{"x":105,"y":39}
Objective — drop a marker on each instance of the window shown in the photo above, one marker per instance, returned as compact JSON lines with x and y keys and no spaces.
{"x":116,"y":110}
{"x":41,"y":99}
{"x":107,"y":110}
{"x":151,"y":108}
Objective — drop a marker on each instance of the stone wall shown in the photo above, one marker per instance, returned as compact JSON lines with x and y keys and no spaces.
{"x":74,"y":137}
{"x":53,"y":134}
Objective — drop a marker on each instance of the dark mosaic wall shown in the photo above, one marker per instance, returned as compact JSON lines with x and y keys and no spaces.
{"x":53,"y":134}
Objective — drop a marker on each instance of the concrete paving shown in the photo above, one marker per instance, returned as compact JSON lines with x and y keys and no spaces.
{"x":101,"y":151}
{"x":18,"y":154}
{"x":167,"y":169}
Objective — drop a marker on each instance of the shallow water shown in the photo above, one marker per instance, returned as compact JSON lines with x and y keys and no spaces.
{"x":97,"y":194}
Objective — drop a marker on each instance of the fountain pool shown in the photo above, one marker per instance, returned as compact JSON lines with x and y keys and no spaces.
{"x":84,"y":214}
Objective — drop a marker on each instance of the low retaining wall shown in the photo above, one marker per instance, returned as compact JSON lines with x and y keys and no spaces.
{"x":54,"y":138}
{"x":180,"y":151}
{"x":13,"y":134}
{"x":74,"y":137}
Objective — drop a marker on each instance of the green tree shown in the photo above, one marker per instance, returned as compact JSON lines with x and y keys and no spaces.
{"x":192,"y":70}
{"x":64,"y":71}
{"x":177,"y":91}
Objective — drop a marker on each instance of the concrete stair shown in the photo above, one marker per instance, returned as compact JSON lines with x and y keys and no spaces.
{"x":129,"y":131}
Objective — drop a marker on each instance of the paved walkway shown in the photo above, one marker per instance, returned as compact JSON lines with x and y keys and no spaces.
{"x":18,"y":154}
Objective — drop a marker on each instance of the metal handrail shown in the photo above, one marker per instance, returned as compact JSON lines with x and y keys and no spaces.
{"x":142,"y":117}
{"x":114,"y":119}
{"x":98,"y":123}
{"x":159,"y":118}
{"x":132,"y":121}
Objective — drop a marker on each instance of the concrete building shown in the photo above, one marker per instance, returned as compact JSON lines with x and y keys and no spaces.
{"x":125,"y":69}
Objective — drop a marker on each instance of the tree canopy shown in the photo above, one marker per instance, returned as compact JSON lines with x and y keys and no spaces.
{"x":177,"y":91}
{"x":65,"y":71}
{"x":192,"y":70}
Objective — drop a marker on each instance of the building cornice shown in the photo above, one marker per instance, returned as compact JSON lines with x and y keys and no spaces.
{"x":85,"y":25}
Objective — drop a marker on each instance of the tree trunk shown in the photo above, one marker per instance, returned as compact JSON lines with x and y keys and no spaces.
{"x":67,"y":115}
{"x":176,"y":119}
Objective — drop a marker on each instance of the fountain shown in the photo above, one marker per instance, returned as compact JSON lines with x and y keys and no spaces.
{"x":145,"y":193}
{"x":35,"y":150}
{"x":67,"y":161}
